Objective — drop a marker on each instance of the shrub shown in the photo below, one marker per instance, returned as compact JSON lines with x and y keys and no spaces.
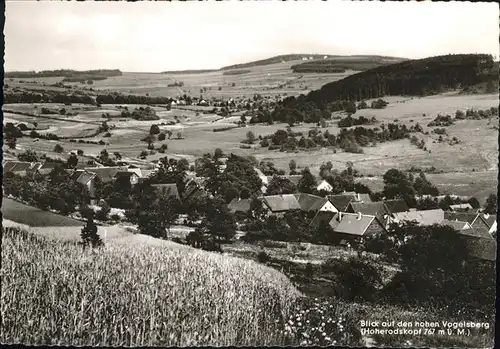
{"x":263,"y":257}
{"x":103,"y":213}
{"x":58,"y":148}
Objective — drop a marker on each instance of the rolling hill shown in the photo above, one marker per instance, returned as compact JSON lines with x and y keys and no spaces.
{"x":419,"y":77}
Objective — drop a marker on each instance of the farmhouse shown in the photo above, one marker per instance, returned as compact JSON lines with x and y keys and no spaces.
{"x":474,"y":219}
{"x":87,"y":179}
{"x":313,"y":203}
{"x":341,"y":201}
{"x":352,"y":226}
{"x":377,"y":209}
{"x":322,"y":217}
{"x":21,"y":168}
{"x":324,"y":186}
{"x":280,"y":204}
{"x":106,"y":174}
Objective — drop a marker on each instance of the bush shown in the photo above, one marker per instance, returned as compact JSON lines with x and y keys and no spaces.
{"x":103,"y":213}
{"x":263,"y":257}
{"x":58,"y":148}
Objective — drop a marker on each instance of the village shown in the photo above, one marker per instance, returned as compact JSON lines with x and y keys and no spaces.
{"x":332,"y":183}
{"x":352,"y":217}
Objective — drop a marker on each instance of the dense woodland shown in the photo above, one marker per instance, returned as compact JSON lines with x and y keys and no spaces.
{"x":341,"y":64}
{"x":415,"y":77}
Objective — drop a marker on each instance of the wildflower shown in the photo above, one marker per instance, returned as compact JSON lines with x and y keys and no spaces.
{"x":328,"y":339}
{"x":299,"y":324}
{"x":323,"y":334}
{"x":322,"y":324}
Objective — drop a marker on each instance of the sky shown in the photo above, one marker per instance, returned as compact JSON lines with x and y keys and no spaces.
{"x":160,"y":36}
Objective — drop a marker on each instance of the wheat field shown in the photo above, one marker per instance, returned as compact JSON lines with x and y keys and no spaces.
{"x":54,"y":293}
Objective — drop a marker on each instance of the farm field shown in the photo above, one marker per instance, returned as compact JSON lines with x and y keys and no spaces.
{"x":270,"y":79}
{"x":477,"y":150}
{"x":247,"y":301}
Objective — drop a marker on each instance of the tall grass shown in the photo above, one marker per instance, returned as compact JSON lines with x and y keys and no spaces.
{"x":140,"y":295}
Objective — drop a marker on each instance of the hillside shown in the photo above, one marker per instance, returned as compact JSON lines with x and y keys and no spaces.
{"x":411,"y":78}
{"x":276,"y":59}
{"x":66,"y":73}
{"x":191,"y":71}
{"x":342,"y":63}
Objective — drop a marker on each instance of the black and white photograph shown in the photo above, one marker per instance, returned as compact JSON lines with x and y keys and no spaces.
{"x":249,"y":173}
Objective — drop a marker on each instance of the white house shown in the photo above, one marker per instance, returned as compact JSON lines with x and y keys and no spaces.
{"x":324,"y":185}
{"x":328,"y":207}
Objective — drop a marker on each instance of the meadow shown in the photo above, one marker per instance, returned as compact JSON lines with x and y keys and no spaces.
{"x":476,"y":153}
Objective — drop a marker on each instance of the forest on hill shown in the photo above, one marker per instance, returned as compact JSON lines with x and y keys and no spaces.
{"x":341,"y":64}
{"x":98,"y":74}
{"x":419,"y":77}
{"x":274,"y":60}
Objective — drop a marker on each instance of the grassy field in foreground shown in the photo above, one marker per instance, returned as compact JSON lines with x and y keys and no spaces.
{"x":54,"y":293}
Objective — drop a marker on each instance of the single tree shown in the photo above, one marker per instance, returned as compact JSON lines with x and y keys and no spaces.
{"x":154,"y":129}
{"x":307,"y":184}
{"x":89,"y":235}
{"x":491,"y":204}
{"x":58,"y":148}
{"x":250,"y":137}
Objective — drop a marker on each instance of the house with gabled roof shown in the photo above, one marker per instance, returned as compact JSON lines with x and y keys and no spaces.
{"x":457,"y":225}
{"x":341,"y":201}
{"x":491,"y":222}
{"x":313,"y":203}
{"x":21,"y":168}
{"x":377,"y":209}
{"x":396,"y":205}
{"x":474,"y":219}
{"x":352,"y":226}
{"x":280,"y":204}
{"x":324,"y":186}
{"x":106,"y":174}
{"x":86,"y":179}
{"x":322,"y":217}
